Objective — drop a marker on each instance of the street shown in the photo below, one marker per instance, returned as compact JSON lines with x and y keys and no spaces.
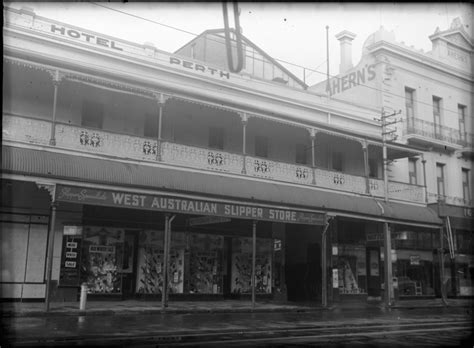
{"x":374,"y":327}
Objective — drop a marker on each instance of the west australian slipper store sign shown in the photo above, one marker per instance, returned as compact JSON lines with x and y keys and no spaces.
{"x":172,"y":204}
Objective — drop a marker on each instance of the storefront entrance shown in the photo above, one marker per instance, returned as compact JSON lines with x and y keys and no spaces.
{"x":303,"y":263}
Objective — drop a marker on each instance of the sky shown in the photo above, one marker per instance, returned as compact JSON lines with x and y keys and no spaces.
{"x":291,"y":32}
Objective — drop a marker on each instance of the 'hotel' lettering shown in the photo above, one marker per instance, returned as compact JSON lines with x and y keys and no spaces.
{"x":88,"y":38}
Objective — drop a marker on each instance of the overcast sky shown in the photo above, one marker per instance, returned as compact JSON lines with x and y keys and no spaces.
{"x":291,"y":32}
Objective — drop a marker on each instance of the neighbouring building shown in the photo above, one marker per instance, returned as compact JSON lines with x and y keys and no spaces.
{"x":126,"y":167}
{"x":431,"y":95}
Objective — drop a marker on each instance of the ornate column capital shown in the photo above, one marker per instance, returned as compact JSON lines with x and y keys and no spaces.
{"x":51,"y":188}
{"x":56,"y":76}
{"x":244,"y":117}
{"x":312,"y":132}
{"x":365,"y":144}
{"x":161,"y":98}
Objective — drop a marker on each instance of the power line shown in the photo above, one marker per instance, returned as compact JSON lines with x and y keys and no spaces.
{"x":276,"y":59}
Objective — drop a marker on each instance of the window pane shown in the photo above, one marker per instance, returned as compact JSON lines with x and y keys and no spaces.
{"x":261,"y":146}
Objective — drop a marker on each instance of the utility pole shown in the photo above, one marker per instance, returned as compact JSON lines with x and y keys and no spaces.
{"x":386,"y":133}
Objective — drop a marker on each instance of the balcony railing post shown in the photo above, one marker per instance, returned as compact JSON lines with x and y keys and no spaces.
{"x":423,"y":162}
{"x":365,"y":149}
{"x":244,"y":119}
{"x":57,"y":77}
{"x":312,"y":134}
{"x":161,"y":100}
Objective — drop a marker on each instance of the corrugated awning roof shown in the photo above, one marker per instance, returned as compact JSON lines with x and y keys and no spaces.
{"x":110,"y":172}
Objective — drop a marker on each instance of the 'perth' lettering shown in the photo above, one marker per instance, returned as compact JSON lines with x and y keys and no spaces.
{"x":87,"y":37}
{"x":355,"y":78}
{"x":199,"y":67}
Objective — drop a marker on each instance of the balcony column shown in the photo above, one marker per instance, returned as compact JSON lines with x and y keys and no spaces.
{"x":423,"y":161}
{"x":388,"y":265}
{"x":365,"y":149}
{"x":51,"y":188}
{"x":254,"y":258}
{"x":312,"y":134}
{"x":160,"y":100}
{"x":56,"y":77}
{"x":244,"y":119}
{"x":166,"y":260}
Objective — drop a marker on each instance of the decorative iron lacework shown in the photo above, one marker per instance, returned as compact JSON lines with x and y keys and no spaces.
{"x":149,"y":149}
{"x":215,"y":159}
{"x":92,"y":139}
{"x":301,"y":173}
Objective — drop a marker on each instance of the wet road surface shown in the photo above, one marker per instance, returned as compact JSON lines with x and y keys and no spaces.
{"x":375,"y":327}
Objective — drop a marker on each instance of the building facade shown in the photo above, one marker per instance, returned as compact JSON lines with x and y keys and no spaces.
{"x":430,"y":96}
{"x":127,"y":168}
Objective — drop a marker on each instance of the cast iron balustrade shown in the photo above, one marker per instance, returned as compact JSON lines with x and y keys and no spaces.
{"x":434,"y":131}
{"x":78,"y":138}
{"x":403,"y":191}
{"x":265,"y":168}
{"x":202,"y":158}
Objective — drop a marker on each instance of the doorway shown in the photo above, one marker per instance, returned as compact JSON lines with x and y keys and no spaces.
{"x":373,"y":271}
{"x":129,"y":263}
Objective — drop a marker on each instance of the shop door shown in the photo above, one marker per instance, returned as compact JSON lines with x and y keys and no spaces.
{"x":373,"y":271}
{"x":129,"y":263}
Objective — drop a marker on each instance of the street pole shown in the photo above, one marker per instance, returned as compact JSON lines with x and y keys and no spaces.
{"x":388,"y":265}
{"x":254,"y":257}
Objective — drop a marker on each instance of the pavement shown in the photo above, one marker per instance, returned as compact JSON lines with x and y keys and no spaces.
{"x":134,"y":307}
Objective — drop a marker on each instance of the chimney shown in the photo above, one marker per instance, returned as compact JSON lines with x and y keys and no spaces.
{"x":345,"y":37}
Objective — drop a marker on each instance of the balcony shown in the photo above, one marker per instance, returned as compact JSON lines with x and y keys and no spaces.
{"x":98,"y":142}
{"x":426,"y":133}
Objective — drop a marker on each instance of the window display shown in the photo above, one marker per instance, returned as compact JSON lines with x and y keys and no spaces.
{"x":205,"y":264}
{"x":242,"y":265}
{"x":352,"y":270}
{"x":101,"y":251}
{"x":150,"y":262}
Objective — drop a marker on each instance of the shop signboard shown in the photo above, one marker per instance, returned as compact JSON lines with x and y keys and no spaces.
{"x":69,"y":274}
{"x":207,"y":220}
{"x":414,"y":260}
{"x":81,"y":195}
{"x":335,"y":278}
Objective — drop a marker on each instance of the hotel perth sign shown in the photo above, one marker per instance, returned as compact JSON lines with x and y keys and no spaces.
{"x":100,"y":41}
{"x":171,"y":204}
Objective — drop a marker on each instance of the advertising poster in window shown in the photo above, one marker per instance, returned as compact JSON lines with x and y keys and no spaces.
{"x":102,"y":248}
{"x":70,"y":271}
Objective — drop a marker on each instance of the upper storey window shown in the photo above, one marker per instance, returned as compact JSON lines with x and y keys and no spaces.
{"x":437,"y":114}
{"x":216,"y":138}
{"x":92,"y":114}
{"x":410,"y":105}
{"x":462,"y":121}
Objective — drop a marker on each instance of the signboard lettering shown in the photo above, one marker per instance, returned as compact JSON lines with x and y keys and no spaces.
{"x":199,"y":67}
{"x":353,"y":79}
{"x":84,"y":36}
{"x":183,"y":205}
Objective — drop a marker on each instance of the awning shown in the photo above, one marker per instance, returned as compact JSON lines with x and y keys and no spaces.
{"x":178,"y":181}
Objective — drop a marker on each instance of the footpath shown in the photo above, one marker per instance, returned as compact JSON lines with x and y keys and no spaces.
{"x":135,"y":307}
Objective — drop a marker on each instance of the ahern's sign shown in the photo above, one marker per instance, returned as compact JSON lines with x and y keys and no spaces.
{"x":110,"y":198}
{"x":355,"y":78}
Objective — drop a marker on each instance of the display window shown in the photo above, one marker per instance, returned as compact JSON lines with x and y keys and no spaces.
{"x":150,"y":262}
{"x":206,"y":276}
{"x":352,"y":269}
{"x":102,"y":249}
{"x":413,"y":265}
{"x":242,"y":266}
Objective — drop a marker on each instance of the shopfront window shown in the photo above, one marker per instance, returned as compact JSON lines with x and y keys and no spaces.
{"x":242,"y":266}
{"x":352,"y":270}
{"x":206,"y":266}
{"x":101,"y":249}
{"x":413,"y":260}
